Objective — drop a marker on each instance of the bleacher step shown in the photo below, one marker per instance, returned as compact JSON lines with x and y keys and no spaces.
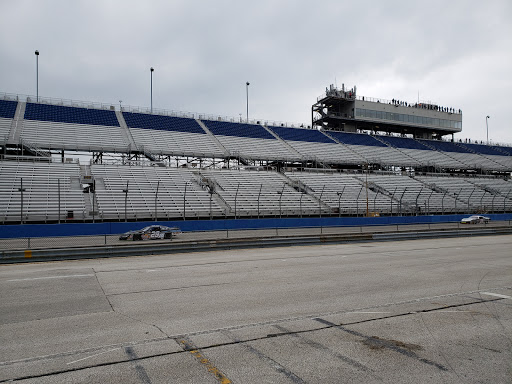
{"x":125,"y":132}
{"x":215,"y":139}
{"x":17,"y":123}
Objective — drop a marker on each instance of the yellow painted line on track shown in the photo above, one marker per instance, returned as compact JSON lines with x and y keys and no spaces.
{"x":188,"y":346}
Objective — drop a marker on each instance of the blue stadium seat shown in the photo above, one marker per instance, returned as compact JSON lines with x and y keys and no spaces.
{"x":507,"y":150}
{"x":482,"y":149}
{"x":73,"y":115}
{"x":238,"y":129}
{"x":8,"y":108}
{"x":445,"y":146}
{"x":356,"y":139}
{"x":403,"y":142}
{"x":296,"y":134}
{"x":163,"y":123}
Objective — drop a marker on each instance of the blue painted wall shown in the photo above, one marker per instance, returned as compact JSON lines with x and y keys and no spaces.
{"x":80,"y":229}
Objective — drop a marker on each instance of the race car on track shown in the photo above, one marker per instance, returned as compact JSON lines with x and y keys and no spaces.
{"x":475,"y":219}
{"x":152,"y":232}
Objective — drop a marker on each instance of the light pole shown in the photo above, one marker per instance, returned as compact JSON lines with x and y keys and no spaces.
{"x":184,"y":202}
{"x":236,"y":196}
{"x":487,"y":125}
{"x":120,"y":105}
{"x":151,"y":70}
{"x":247,"y":97}
{"x":37,"y":75}
{"x":126,"y":200}
{"x":156,"y":197}
{"x":21,"y":190}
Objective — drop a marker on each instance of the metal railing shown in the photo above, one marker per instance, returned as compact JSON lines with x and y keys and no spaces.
{"x":146,"y":110}
{"x":417,"y":104}
{"x":402,"y":202}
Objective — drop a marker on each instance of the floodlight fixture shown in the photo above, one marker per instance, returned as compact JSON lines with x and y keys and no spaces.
{"x":247,"y":98}
{"x":37,"y":75}
{"x":151,"y":70}
{"x":487,"y":125}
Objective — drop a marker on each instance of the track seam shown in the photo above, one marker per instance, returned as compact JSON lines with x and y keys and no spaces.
{"x":178,"y":338}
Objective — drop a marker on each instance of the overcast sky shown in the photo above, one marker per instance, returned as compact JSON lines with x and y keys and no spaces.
{"x":455,"y":53}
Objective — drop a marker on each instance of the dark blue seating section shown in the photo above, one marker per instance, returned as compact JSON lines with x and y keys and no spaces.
{"x":73,"y":115}
{"x":404,"y":142}
{"x":238,"y":129}
{"x":507,"y":150}
{"x":162,"y":123}
{"x":445,"y":146}
{"x":308,"y":135}
{"x":8,"y":108}
{"x":356,"y":139}
{"x":483,"y":149}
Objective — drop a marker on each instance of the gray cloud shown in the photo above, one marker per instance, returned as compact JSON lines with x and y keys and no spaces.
{"x":456,"y":53}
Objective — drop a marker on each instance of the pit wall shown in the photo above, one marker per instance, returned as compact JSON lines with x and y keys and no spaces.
{"x":83,"y":229}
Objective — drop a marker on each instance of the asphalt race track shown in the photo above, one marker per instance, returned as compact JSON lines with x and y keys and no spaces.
{"x":436,"y":311}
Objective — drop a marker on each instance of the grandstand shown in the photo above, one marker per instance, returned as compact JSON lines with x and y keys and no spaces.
{"x":85,"y":162}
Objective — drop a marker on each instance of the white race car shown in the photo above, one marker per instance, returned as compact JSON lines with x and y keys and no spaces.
{"x":475,"y":219}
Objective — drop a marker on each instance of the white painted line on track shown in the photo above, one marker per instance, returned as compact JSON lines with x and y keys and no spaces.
{"x":496,"y":295}
{"x":88,"y":357}
{"x":52,"y":277}
{"x":367,"y":312}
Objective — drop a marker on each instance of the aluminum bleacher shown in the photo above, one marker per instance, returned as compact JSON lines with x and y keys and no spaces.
{"x":194,"y":193}
{"x":422,"y":153}
{"x":262,"y":193}
{"x":7,"y":112}
{"x":346,"y":194}
{"x":496,"y":155}
{"x":72,"y":128}
{"x":372,"y":150}
{"x":464,"y":156}
{"x":416,"y":196}
{"x":250,"y":141}
{"x":501,"y":191}
{"x":45,"y":185}
{"x":179,"y":193}
{"x":314,"y":145}
{"x":170,"y":135}
{"x":473,"y":193}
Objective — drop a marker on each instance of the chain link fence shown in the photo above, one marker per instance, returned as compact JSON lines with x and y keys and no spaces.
{"x":32,"y":243}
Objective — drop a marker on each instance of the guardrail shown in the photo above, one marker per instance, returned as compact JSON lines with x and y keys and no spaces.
{"x":270,"y":240}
